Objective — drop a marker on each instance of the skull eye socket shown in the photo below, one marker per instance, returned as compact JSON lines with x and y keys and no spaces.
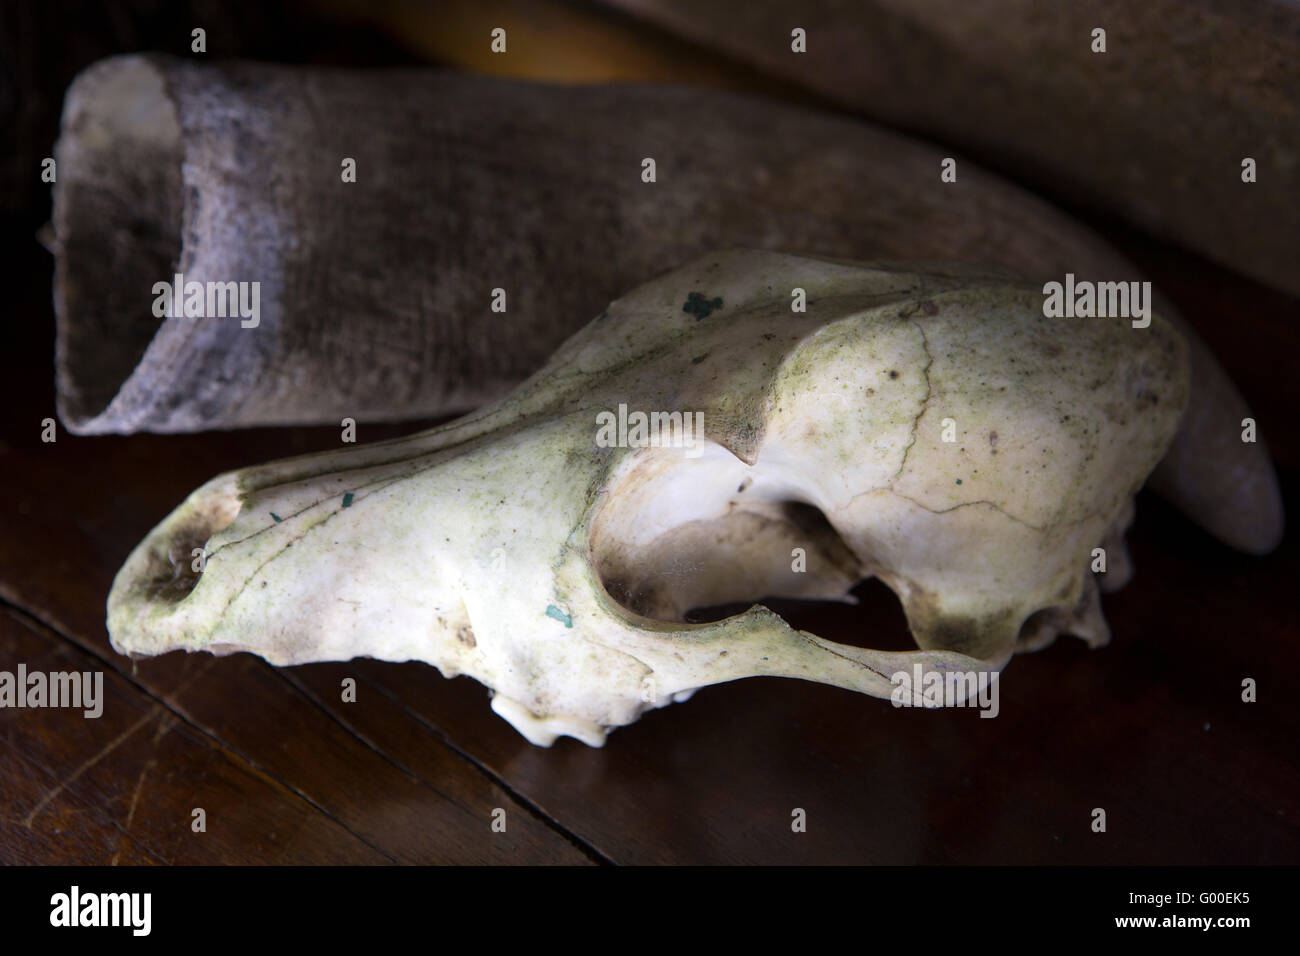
{"x":747,"y":552}
{"x":702,"y":550}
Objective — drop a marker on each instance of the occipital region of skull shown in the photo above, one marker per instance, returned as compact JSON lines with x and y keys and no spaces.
{"x":961,"y":446}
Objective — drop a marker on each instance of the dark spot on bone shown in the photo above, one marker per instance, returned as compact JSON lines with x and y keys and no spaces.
{"x":700,"y":307}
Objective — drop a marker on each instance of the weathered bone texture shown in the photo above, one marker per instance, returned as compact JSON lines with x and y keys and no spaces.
{"x":375,"y":295}
{"x":514,"y":546}
{"x":1154,"y":129}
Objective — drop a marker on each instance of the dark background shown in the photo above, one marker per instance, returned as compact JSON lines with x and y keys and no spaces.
{"x":1151,"y":728}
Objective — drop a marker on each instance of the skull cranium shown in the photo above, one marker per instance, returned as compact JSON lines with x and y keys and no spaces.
{"x":928,"y":426}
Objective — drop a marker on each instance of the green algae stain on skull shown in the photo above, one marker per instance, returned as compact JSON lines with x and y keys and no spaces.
{"x":701,"y":307}
{"x":554,"y":612}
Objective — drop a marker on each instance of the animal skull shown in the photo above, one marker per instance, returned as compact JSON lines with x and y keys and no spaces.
{"x":514,"y":545}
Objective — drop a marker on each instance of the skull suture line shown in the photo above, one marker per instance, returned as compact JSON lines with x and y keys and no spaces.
{"x":512,"y":546}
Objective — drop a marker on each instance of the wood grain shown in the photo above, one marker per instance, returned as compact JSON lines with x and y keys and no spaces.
{"x":121,"y":789}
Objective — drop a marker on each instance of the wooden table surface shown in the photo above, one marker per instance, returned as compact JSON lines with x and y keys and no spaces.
{"x":1151,"y":728}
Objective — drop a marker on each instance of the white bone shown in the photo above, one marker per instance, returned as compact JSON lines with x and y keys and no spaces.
{"x":510,"y":546}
